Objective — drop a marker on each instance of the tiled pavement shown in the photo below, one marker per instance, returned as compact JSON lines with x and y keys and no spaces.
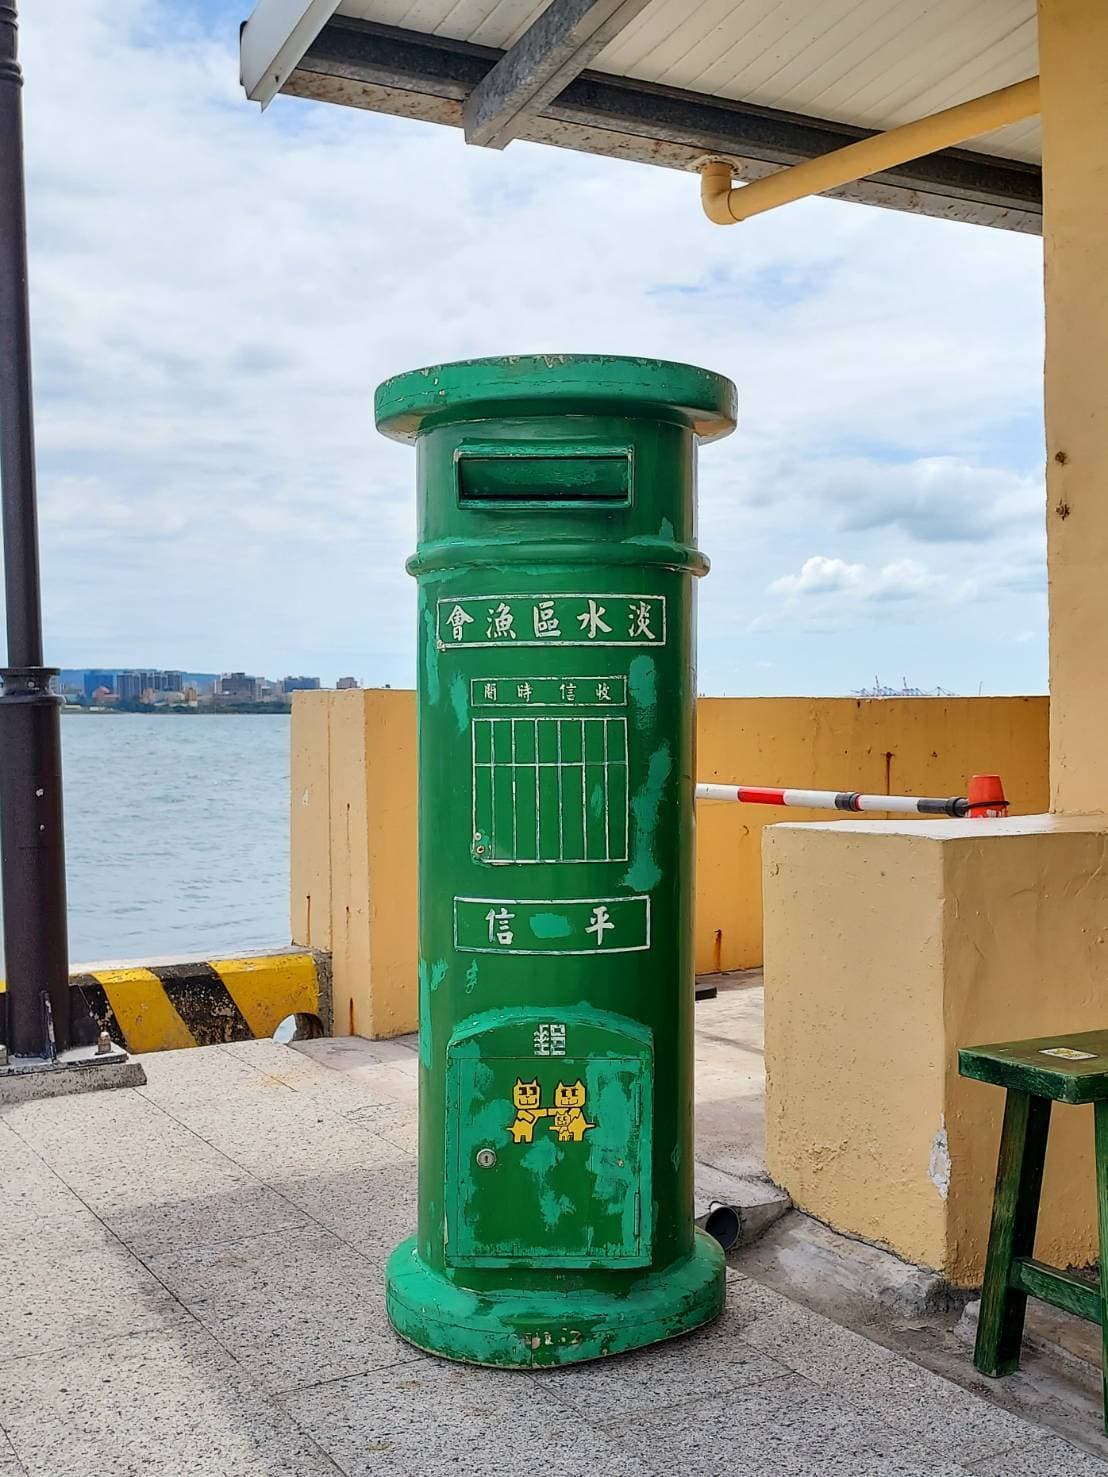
{"x":192,"y":1287}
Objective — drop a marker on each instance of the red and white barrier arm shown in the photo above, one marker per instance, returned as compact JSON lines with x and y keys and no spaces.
{"x":986,"y":799}
{"x":834,"y":800}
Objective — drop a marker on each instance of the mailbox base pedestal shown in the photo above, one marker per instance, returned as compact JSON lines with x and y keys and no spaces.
{"x":529,"y":1328}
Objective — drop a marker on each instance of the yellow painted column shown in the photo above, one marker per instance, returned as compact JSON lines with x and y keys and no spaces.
{"x":310,"y":820}
{"x":353,"y":852}
{"x":1073,"y":64}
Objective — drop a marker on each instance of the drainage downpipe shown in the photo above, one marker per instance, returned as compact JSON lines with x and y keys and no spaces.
{"x":726,"y":205}
{"x":724,"y":1223}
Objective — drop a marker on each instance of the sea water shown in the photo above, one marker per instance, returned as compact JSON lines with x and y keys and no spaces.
{"x":177,"y":834}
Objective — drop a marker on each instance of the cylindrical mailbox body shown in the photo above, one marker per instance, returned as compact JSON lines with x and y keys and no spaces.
{"x":556,"y":557}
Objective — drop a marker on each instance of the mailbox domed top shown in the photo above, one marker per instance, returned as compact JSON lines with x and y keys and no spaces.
{"x":555,"y":384}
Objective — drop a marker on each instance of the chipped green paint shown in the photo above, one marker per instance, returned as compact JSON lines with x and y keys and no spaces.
{"x":523,"y":1327}
{"x":644,"y":872}
{"x":459,"y":701}
{"x":538,"y":1160}
{"x":424,"y":1014}
{"x":555,"y":1219}
{"x":479,"y":1106}
{"x":643,"y":687}
{"x":550,"y":925}
{"x":430,"y":658}
{"x":429,"y":981}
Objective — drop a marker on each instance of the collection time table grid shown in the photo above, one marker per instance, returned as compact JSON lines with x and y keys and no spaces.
{"x":551,"y":789}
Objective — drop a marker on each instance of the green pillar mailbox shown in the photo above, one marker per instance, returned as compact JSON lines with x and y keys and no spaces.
{"x":556,"y":556}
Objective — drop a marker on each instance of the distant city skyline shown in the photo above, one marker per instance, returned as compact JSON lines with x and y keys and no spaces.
{"x":82,"y":676}
{"x":110,"y":686}
{"x":208,"y":674}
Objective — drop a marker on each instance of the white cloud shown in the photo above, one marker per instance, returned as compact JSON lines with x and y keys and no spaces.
{"x":216,"y":294}
{"x":935,"y":499}
{"x":820,"y":576}
{"x":829,"y":594}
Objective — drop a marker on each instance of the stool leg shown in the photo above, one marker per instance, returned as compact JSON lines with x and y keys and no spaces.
{"x":1100,"y":1121}
{"x":1019,"y":1179}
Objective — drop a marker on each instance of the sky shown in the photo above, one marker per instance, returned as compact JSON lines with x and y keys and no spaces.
{"x":216,"y":294}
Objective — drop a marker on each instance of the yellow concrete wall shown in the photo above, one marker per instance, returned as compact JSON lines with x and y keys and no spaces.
{"x":1073,"y":63}
{"x":353,"y":863}
{"x":854,"y":1029}
{"x":353,"y":884}
{"x":310,"y":820}
{"x":907,"y":746}
{"x":887,"y":948}
{"x":1026,"y":954}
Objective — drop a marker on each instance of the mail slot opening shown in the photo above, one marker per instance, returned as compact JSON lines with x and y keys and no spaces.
{"x":568,"y":480}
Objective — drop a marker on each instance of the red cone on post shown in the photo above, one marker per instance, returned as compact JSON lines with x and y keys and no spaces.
{"x":986,"y":797}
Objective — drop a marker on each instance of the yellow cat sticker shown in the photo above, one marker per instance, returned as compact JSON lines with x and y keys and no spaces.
{"x":567,"y":1113}
{"x":526,"y":1097}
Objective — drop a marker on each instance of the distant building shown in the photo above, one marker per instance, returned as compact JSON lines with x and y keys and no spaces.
{"x":237,"y":687}
{"x":300,"y":684}
{"x":96,"y":680}
{"x":345,"y":683}
{"x":131,"y":685}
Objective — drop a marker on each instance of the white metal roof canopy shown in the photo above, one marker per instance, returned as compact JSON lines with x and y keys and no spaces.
{"x":671,"y":82}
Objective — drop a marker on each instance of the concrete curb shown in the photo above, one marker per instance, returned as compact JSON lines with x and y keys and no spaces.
{"x":167,"y":1005}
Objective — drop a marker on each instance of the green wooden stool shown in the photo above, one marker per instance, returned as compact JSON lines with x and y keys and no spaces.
{"x":1064,"y":1069}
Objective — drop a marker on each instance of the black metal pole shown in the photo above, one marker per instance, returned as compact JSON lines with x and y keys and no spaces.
{"x":32,"y":853}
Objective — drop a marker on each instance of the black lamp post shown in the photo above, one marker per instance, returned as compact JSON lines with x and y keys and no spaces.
{"x":32,"y":853}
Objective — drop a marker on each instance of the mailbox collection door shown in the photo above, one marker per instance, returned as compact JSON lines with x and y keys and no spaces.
{"x":550,"y":1156}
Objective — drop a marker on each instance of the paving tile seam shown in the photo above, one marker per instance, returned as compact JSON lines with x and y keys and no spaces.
{"x":54,"y":1173}
{"x":889,"y":1424}
{"x":201,"y":1327}
{"x":228,"y":1050}
{"x":245,"y":1374}
{"x":892,"y":1421}
{"x":293,"y":1205}
{"x":876,"y":1433}
{"x":1016,"y":1448}
{"x":280,"y":1394}
{"x":113,"y":1234}
{"x":616,"y":1423}
{"x":608,"y":1425}
{"x":137,"y":1257}
{"x":64,"y":1350}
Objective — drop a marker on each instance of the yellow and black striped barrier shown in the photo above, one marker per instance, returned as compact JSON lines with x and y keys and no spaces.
{"x":162,"y":1007}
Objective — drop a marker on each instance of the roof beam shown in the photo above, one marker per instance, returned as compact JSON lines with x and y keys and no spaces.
{"x":555,"y":48}
{"x":274,"y":39}
{"x":414,"y":75}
